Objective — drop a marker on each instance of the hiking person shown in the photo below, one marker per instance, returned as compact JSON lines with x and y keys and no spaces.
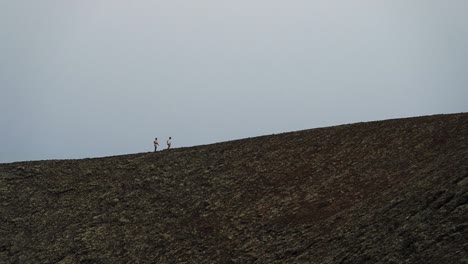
{"x":169,"y":143}
{"x":156,"y":144}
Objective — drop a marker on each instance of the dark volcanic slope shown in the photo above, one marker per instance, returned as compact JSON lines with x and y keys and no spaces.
{"x":394,"y":191}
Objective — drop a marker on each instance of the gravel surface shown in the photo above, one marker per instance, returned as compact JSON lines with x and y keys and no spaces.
{"x":393,"y":191}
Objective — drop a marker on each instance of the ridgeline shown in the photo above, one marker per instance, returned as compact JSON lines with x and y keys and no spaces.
{"x":393,"y":191}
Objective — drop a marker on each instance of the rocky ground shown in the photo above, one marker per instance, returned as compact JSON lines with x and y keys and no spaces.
{"x":394,"y":191}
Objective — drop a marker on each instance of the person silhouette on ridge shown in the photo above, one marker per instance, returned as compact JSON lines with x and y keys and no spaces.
{"x":156,"y":144}
{"x":169,"y":143}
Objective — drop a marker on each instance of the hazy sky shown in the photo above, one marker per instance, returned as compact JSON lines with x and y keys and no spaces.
{"x":104,"y":77}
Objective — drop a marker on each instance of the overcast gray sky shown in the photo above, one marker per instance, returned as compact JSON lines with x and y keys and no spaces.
{"x":104,"y":77}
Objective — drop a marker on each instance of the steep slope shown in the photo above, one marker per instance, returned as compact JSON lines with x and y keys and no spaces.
{"x":393,"y":191}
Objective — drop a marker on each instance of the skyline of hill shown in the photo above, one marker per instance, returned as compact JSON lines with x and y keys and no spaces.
{"x":392,"y":191}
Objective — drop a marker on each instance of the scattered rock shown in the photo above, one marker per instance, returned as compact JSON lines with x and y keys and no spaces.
{"x":380,"y":192}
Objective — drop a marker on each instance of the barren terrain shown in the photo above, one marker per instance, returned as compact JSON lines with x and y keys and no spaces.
{"x":393,"y":191}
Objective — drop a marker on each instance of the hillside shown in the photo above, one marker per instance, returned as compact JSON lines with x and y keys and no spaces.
{"x":393,"y":191}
